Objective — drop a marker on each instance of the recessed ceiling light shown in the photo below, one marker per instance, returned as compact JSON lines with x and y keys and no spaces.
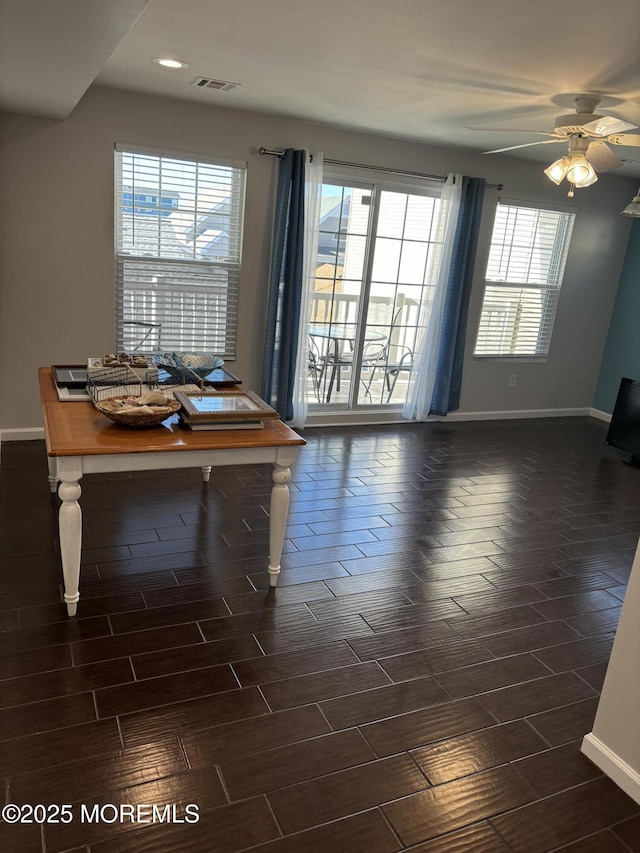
{"x":166,"y":62}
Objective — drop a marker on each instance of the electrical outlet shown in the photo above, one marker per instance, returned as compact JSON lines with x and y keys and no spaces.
{"x":513,"y":378}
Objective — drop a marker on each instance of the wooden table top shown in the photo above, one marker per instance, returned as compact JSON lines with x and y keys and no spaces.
{"x":78,"y":429}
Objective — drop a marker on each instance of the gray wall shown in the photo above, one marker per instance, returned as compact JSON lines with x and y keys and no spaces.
{"x":56,"y":241}
{"x":622,"y":349}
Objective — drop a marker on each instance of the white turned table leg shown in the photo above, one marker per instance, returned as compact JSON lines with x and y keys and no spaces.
{"x":206,"y":473}
{"x":70,"y":522}
{"x":278,"y":512}
{"x":53,"y":474}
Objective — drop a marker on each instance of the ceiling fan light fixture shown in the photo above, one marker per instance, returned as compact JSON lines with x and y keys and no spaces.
{"x":580,"y":171}
{"x":633,"y":208}
{"x":557,"y":171}
{"x":574,"y":166}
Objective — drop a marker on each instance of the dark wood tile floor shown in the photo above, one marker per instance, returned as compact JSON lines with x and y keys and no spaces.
{"x":420,"y":680}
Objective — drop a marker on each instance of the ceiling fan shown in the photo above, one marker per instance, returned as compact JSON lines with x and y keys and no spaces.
{"x":588,"y":136}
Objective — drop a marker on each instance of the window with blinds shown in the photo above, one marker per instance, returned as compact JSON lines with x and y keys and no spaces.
{"x":179,"y":239}
{"x":524,"y":273}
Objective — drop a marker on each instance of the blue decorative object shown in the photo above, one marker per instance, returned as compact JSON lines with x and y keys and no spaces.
{"x":182,"y":365}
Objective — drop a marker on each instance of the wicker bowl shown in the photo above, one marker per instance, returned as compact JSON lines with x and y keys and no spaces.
{"x":182,"y":365}
{"x":111,"y":408}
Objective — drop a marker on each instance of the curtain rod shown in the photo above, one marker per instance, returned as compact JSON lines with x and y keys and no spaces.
{"x":388,"y":171}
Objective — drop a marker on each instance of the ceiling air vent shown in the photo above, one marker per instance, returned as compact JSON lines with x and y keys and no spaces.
{"x":210,"y":83}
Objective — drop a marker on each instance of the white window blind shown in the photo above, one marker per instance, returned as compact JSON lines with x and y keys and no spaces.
{"x":179,"y":240}
{"x":524,"y":273}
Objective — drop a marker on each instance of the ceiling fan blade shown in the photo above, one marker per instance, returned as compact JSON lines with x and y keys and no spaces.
{"x":625,"y":139}
{"x":602,"y":157}
{"x":510,"y":130}
{"x":606,"y":125}
{"x":526,"y":145}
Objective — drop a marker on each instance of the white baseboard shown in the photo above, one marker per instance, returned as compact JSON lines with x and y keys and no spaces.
{"x":518,"y":413}
{"x":27,"y":434}
{"x":612,"y":765}
{"x":601,"y":416}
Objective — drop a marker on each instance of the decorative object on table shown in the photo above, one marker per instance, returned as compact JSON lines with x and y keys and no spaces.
{"x":70,"y":382}
{"x":220,"y":377}
{"x":70,"y":375}
{"x":184,"y":367}
{"x":138,"y":411}
{"x":134,"y":359}
{"x":223,"y":409}
{"x":138,"y":363}
{"x":119,"y":395}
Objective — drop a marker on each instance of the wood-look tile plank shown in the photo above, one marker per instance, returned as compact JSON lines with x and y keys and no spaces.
{"x":602,"y":842}
{"x":565,"y":724}
{"x":23,"y":663}
{"x":137,"y":642}
{"x":69,"y":631}
{"x":345,"y":792}
{"x":303,"y":689}
{"x":447,"y":807}
{"x":578,"y":653}
{"x":396,"y":560}
{"x":479,"y":626}
{"x":64,"y":682}
{"x":530,"y":638}
{"x":409,"y":614}
{"x":598,"y":622}
{"x":271,"y":619}
{"x":435,"y":659}
{"x":483,"y":677}
{"x":419,"y":728}
{"x":388,"y":643}
{"x":299,"y":575}
{"x":211,"y":588}
{"x":629,"y":832}
{"x":234,"y":827}
{"x":382,"y":702}
{"x":288,"y":765}
{"x":293,"y":663}
{"x":163,"y":690}
{"x":215,"y":744}
{"x":532,"y":697}
{"x":478,"y":604}
{"x":467,"y":754}
{"x":154,"y":664}
{"x":358,"y":603}
{"x":576,"y":605}
{"x":571,"y":584}
{"x":43,"y":749}
{"x":480,"y":838}
{"x":282,"y":596}
{"x":366,"y":832}
{"x":555,"y":769}
{"x":22,"y":837}
{"x":201,"y":787}
{"x":564,"y":817}
{"x":48,"y":715}
{"x":192,"y":715}
{"x":98,"y":774}
{"x":314,"y":634}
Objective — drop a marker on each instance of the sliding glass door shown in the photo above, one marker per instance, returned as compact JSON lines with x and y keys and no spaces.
{"x":371,"y":295}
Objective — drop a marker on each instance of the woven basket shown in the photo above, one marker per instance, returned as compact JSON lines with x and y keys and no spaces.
{"x":109,"y":408}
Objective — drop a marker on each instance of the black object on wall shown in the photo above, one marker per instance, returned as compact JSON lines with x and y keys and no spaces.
{"x":624,"y":429}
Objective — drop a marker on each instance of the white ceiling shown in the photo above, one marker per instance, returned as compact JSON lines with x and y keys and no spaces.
{"x":418,"y":69}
